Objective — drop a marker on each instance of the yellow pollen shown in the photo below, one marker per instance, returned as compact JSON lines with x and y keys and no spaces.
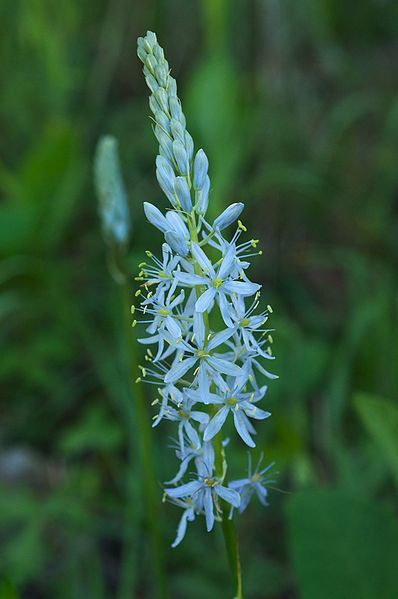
{"x":241,"y":226}
{"x":210,"y":482}
{"x":217,"y":283}
{"x":231,"y":401}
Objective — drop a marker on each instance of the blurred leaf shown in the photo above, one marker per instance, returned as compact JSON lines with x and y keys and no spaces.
{"x":380,"y":418}
{"x":342,"y":545}
{"x":93,"y":432}
{"x":215,"y":116}
{"x":7,"y":590}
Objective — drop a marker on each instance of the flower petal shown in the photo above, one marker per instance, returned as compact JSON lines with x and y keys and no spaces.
{"x":241,"y":287}
{"x":241,"y":428}
{"x":215,"y":423}
{"x":227,"y":263}
{"x":202,"y":260}
{"x":173,"y":327}
{"x":219,"y":339}
{"x":187,"y":516}
{"x":186,"y":490}
{"x":228,"y":495}
{"x":179,"y":369}
{"x":204,"y":301}
{"x":224,"y":366}
{"x":208,"y":505}
{"x":189,"y":279}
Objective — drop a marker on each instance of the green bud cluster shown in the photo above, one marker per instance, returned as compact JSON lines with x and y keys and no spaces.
{"x":175,"y":143}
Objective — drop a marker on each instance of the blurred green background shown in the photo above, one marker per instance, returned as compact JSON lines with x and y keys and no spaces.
{"x":296,"y":105}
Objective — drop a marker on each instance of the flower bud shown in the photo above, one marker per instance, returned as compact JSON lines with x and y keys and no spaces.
{"x":163,"y":121}
{"x":151,"y":63}
{"x":165,"y":175}
{"x":229,"y":215}
{"x":183,"y":194}
{"x":151,"y":83}
{"x":165,"y":143}
{"x":189,"y":145}
{"x":177,"y":243}
{"x":181,"y":156}
{"x":202,"y":197}
{"x":200,"y":167}
{"x":175,"y":107}
{"x":141,"y":52}
{"x":161,"y":97}
{"x":155,"y":217}
{"x":151,"y":39}
{"x":162,"y":74}
{"x":172,"y":87}
{"x":158,"y":53}
{"x":177,"y":130}
{"x":113,"y":207}
{"x":177,"y":224}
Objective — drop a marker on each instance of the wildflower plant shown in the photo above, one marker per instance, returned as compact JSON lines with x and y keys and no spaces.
{"x":206,"y":341}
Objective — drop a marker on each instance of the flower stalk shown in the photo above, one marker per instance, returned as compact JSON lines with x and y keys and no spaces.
{"x":205,"y":375}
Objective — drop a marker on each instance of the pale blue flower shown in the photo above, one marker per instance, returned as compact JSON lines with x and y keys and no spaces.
{"x":241,"y":404}
{"x":219,"y":285}
{"x":183,"y":414}
{"x":254,"y":483}
{"x":205,"y":493}
{"x":192,"y":363}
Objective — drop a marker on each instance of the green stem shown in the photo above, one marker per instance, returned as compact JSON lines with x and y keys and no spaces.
{"x":146,"y":454}
{"x":230,"y":536}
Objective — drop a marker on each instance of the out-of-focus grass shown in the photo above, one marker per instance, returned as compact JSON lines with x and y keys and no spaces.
{"x":296,"y":105}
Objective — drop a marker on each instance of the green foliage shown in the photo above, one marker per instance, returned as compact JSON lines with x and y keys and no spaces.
{"x":380,"y":418}
{"x":342,"y":545}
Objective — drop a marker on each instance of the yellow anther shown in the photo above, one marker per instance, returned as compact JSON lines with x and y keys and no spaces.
{"x":254,"y":242}
{"x":132,"y":309}
{"x":138,"y":379}
{"x":142,"y":264}
{"x":148,"y":253}
{"x":133,"y":324}
{"x":138,"y":292}
{"x":269,"y":308}
{"x":269,"y":351}
{"x":155,"y":401}
{"x":270,"y":339}
{"x":241,"y":226}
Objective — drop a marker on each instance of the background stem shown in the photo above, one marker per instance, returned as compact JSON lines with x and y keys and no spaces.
{"x":147,"y":462}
